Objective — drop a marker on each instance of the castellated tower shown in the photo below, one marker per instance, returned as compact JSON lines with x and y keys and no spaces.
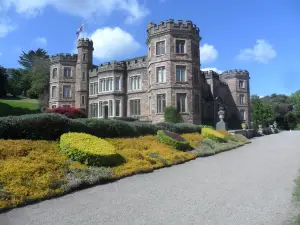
{"x":83,"y":66}
{"x":239,"y":84}
{"x":174,"y":69}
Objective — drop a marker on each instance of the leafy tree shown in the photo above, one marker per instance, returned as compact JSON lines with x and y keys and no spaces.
{"x":262,"y":113}
{"x":3,"y":81}
{"x":295,"y":101}
{"x":27,"y":59}
{"x":291,"y":120}
{"x":15,"y":86}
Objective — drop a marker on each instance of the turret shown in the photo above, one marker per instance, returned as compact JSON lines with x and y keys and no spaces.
{"x":83,"y":66}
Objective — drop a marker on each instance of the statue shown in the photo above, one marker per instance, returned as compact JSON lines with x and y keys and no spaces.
{"x":221,"y":114}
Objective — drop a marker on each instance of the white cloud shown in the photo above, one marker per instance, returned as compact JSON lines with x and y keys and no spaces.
{"x":5,"y":27}
{"x":213,"y":69}
{"x":111,"y":43}
{"x":208,"y":53}
{"x":262,"y":52}
{"x":40,"y":41}
{"x":133,"y":9}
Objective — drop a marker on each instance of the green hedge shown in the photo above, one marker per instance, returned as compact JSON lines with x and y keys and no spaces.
{"x":51,"y":126}
{"x":174,"y":140}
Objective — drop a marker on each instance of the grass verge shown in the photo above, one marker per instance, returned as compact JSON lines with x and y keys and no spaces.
{"x":18,"y":106}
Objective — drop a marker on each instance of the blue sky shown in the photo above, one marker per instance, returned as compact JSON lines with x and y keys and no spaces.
{"x":260,"y":36}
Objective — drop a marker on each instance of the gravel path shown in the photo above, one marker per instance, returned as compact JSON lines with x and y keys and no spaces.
{"x":250,"y":185}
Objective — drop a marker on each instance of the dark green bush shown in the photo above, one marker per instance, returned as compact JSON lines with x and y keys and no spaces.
{"x":179,"y":127}
{"x":129,"y":119}
{"x":171,"y":115}
{"x":174,"y":140}
{"x":38,"y":126}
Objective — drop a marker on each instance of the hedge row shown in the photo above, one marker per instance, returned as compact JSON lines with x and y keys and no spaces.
{"x":51,"y":126}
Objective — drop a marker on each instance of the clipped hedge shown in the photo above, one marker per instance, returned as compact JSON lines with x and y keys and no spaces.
{"x":90,"y":150}
{"x":213,"y":135}
{"x":173,"y":139}
{"x":179,"y":127}
{"x":38,"y":126}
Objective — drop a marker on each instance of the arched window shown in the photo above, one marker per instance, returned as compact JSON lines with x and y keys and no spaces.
{"x":54,"y":73}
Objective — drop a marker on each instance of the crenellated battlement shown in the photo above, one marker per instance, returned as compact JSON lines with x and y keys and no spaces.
{"x":114,"y":65}
{"x":210,"y":74}
{"x":85,"y":42}
{"x":136,"y":63}
{"x":235,"y":73}
{"x":63,"y":57}
{"x":169,"y":25}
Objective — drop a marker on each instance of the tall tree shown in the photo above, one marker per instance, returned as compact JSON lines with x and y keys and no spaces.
{"x":262,"y":113}
{"x":3,"y":81}
{"x":27,"y":59}
{"x":15,"y":84}
{"x":295,"y":101}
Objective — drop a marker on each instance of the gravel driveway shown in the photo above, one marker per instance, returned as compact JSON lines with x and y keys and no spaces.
{"x":250,"y":185}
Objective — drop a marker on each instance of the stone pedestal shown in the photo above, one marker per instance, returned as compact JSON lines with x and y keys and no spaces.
{"x":221,"y":125}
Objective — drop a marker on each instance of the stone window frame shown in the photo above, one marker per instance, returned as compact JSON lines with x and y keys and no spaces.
{"x":185,"y":75}
{"x":243,"y":86}
{"x":243,"y":118}
{"x":120,"y":82}
{"x":54,"y":86}
{"x":84,"y":56}
{"x":129,"y":100}
{"x":71,"y":73}
{"x":63,"y":86}
{"x":186,"y":101}
{"x":82,"y":97}
{"x":100,"y":88}
{"x":185,"y":45}
{"x":55,"y":68}
{"x":90,"y":93}
{"x":156,"y":81}
{"x":165,"y":40}
{"x":129,"y":83}
{"x":242,"y":96}
{"x":90,"y":110}
{"x":83,"y":75}
{"x":121,"y":107}
{"x":165,"y":94}
{"x":53,"y":106}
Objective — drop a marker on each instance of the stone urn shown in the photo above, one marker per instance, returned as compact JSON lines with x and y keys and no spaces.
{"x":221,"y":125}
{"x":275,"y":125}
{"x":221,"y":114}
{"x":272,"y":129}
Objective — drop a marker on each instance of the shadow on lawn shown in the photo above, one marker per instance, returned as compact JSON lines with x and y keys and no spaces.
{"x":8,"y":110}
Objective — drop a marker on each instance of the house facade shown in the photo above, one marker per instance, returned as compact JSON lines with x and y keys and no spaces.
{"x":169,"y":75}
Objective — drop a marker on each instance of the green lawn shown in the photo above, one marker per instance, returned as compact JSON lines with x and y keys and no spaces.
{"x":15,"y":106}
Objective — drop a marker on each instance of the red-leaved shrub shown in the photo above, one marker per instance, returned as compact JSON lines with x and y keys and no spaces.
{"x":70,"y":112}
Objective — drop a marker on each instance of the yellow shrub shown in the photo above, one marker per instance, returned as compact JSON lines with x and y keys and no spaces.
{"x":213,"y":134}
{"x":89,"y":149}
{"x":193,"y":138}
{"x":144,"y":154}
{"x":30,"y":170}
{"x":224,"y":132}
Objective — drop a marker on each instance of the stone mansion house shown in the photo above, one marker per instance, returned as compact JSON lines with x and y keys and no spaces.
{"x":142,"y":87}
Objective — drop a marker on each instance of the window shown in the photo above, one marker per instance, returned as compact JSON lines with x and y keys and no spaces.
{"x":135,"y":82}
{"x":54,"y":73}
{"x":84,"y":57}
{"x":197,"y":103}
{"x":93,"y":110}
{"x":67,"y":91}
{"x":160,"y":48}
{"x":242,"y":99}
{"x":106,"y":84}
{"x":83,"y":76}
{"x":53,"y":106}
{"x":161,"y":74}
{"x":161,"y":103}
{"x":117,"y":83}
{"x":117,"y":107}
{"x":241,"y":84}
{"x":54,"y":92}
{"x":135,"y":107}
{"x":94,"y":88}
{"x":67,"y":72}
{"x":180,"y":73}
{"x":181,"y":102}
{"x":82,"y":99}
{"x":180,"y":46}
{"x":100,"y":109}
{"x":243,"y":114}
